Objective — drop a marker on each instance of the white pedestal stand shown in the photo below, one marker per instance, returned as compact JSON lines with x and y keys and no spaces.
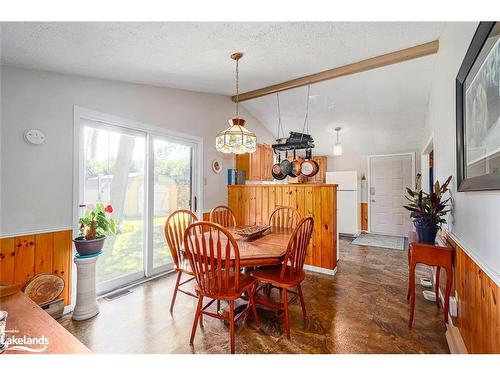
{"x":86,"y":304}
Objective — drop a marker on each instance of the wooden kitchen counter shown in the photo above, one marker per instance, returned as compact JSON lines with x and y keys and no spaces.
{"x":271,"y":184}
{"x":253,"y":203}
{"x":26,"y":318}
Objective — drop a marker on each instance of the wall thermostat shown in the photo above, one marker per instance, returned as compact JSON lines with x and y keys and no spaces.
{"x":34,"y":136}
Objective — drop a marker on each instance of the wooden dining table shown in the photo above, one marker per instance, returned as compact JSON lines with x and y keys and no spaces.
{"x":263,"y":250}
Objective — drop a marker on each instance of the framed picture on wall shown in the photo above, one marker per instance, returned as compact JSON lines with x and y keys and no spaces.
{"x":478,"y":112}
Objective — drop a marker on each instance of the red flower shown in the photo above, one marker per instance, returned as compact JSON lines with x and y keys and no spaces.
{"x":109,"y":208}
{"x":82,"y":226}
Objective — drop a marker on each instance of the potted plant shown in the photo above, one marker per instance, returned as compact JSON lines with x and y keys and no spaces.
{"x":428,"y":210}
{"x":94,"y":225}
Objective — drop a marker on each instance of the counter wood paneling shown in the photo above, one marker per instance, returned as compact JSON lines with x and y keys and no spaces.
{"x":253,"y":203}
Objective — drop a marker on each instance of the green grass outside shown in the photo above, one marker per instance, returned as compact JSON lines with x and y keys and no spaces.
{"x":123,"y":254}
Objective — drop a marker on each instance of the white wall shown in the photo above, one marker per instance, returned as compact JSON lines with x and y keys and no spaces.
{"x":475,"y":217}
{"x":37,"y":181}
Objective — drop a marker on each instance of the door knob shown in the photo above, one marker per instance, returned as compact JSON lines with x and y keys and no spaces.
{"x":373,"y":200}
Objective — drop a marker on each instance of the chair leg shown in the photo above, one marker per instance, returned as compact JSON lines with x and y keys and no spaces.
{"x":302,"y":303}
{"x":179,"y":274}
{"x":231,"y":324}
{"x":196,"y":318}
{"x":268,"y":290}
{"x":251,"y":304}
{"x":284,"y":293}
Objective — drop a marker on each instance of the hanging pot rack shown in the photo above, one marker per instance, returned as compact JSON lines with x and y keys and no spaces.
{"x":296,"y":141}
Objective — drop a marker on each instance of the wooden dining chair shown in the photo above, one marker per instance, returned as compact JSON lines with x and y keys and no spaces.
{"x":284,"y":217}
{"x":215,"y":260}
{"x":290,"y":274}
{"x":223,"y":216}
{"x":175,"y":226}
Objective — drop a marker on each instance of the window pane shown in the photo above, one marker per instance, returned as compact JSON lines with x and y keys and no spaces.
{"x":172,"y":191}
{"x":114,"y":174}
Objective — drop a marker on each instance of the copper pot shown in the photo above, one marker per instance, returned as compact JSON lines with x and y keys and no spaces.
{"x":309,"y":167}
{"x":277,"y":170}
{"x":295,"y":166}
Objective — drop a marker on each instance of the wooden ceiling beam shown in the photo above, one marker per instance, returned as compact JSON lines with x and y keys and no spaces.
{"x":357,"y":67}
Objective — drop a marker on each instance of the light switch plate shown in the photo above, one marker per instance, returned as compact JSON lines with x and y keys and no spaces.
{"x":34,"y":136}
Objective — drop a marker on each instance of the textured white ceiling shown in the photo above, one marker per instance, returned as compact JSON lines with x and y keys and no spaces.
{"x":195,"y":55}
{"x":377,"y":109}
{"x":380,"y":111}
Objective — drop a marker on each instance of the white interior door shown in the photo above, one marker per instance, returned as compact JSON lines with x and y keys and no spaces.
{"x":388,"y":177}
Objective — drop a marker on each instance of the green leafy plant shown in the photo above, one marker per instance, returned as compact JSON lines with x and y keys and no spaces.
{"x":96,"y":223}
{"x":428,"y":209}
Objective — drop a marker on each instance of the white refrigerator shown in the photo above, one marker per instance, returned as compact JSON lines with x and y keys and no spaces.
{"x":347,"y":201}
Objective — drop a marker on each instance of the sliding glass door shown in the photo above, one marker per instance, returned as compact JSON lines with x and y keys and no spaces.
{"x":172,"y":163}
{"x":145,"y":176}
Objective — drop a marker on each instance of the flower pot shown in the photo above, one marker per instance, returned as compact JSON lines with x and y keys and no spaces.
{"x":426,"y":233}
{"x":89,"y":247}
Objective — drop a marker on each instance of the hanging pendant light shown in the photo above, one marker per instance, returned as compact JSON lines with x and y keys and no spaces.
{"x":236,"y":139}
{"x":337,"y":147}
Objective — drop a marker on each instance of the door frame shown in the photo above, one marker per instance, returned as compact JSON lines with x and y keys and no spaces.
{"x":424,"y":165}
{"x":413,"y":169}
{"x":150,"y":132}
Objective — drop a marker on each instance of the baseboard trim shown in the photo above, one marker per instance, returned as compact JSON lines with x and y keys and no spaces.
{"x":454,"y":339}
{"x":325,"y":271}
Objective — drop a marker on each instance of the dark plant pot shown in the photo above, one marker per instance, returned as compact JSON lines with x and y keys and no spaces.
{"x":89,"y":247}
{"x":426,"y":233}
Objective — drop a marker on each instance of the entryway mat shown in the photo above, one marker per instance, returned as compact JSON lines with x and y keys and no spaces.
{"x":380,"y":240}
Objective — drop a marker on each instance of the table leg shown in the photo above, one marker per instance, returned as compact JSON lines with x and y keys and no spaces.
{"x":409,"y":261}
{"x":436,"y":285}
{"x":449,"y":278}
{"x":412,"y":294}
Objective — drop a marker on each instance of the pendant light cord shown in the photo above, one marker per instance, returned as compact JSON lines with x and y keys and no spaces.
{"x":237,"y":88}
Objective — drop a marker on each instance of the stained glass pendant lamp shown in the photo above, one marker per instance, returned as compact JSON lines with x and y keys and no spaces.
{"x":236,"y":139}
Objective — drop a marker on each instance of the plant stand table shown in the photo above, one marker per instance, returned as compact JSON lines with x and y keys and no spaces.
{"x":438,"y":255}
{"x":86,"y":304}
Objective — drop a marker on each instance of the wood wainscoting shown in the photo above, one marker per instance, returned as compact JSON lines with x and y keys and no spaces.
{"x":478,"y":304}
{"x":253,"y":204}
{"x":364,"y":216}
{"x":23,"y":257}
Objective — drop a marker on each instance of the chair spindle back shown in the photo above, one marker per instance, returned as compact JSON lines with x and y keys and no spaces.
{"x":214,"y":256}
{"x":296,"y":251}
{"x":223,"y":216}
{"x":284,"y":217}
{"x":175,"y":226}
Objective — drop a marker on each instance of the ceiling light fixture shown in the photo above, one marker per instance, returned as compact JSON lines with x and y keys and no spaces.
{"x":236,"y":139}
{"x":337,"y":147}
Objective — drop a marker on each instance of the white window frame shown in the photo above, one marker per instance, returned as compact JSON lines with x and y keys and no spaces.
{"x":151,"y":132}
